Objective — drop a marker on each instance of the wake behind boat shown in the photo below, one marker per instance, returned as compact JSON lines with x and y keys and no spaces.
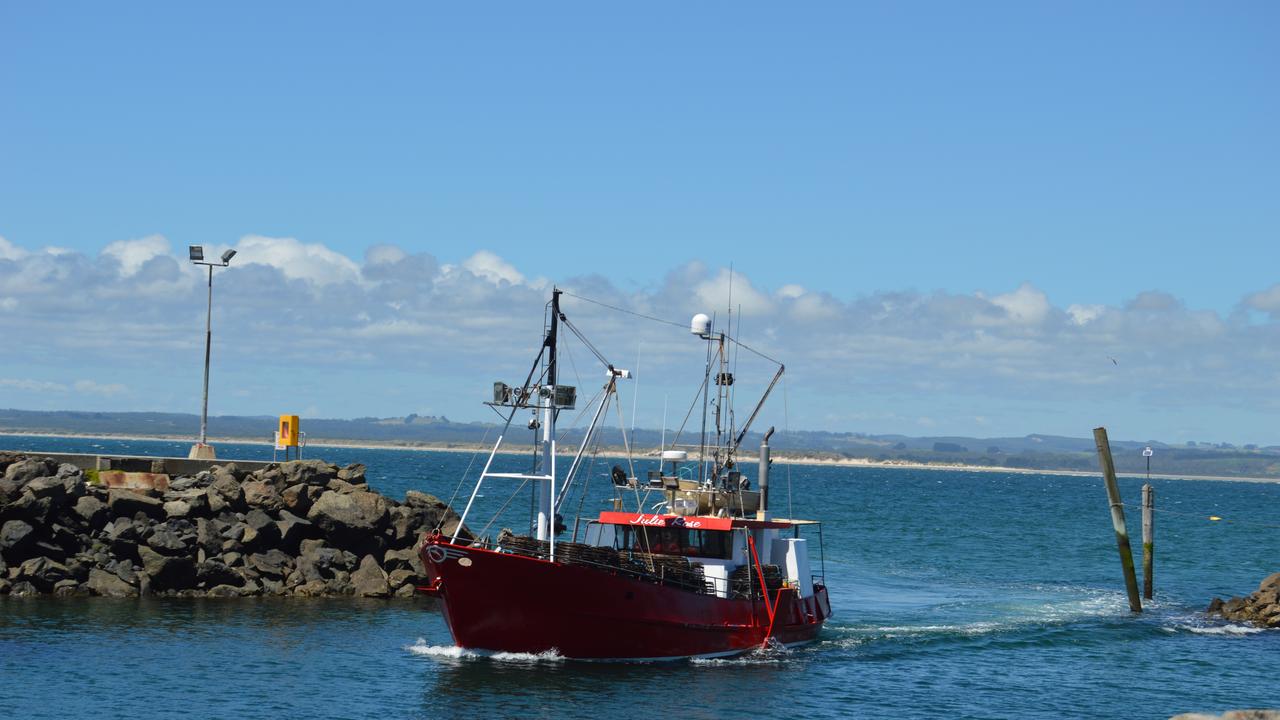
{"x":688,"y":563}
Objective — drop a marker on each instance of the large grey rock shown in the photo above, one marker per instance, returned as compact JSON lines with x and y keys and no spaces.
{"x":319,"y":562}
{"x":342,"y":486}
{"x":92,"y":510}
{"x":350,"y":519}
{"x":262,"y":532}
{"x":167,"y":572}
{"x":24,"y":471}
{"x":43,"y":573}
{"x":435,"y":513}
{"x":48,"y":487}
{"x":230,"y":470}
{"x":127,"y":503}
{"x":296,"y":498}
{"x":23,"y":588}
{"x":211,"y":573}
{"x":399,"y":578}
{"x":293,"y":530}
{"x":1230,"y":715}
{"x":225,"y":493}
{"x":353,"y":473}
{"x":312,"y":472}
{"x":369,"y":580}
{"x":273,"y":563}
{"x":15,"y":536}
{"x":262,"y":495}
{"x":209,"y":534}
{"x":190,"y":482}
{"x":167,"y":541}
{"x":108,"y":584}
{"x":403,"y":559}
{"x":1262,"y":607}
{"x":28,"y":507}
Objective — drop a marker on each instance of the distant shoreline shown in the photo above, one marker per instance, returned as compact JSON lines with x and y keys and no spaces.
{"x":780,"y":458}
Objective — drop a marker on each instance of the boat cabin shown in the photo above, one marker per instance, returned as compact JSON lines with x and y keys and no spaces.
{"x":726,"y":548}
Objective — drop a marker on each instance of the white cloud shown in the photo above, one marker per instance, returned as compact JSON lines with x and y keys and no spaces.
{"x":287,"y":311}
{"x":1024,"y":306}
{"x":93,"y":388}
{"x":384,"y":255}
{"x":1267,"y":301}
{"x":9,"y":251}
{"x":715,"y":294}
{"x":132,"y":254}
{"x":28,"y":385}
{"x":313,"y":263}
{"x":492,"y":268}
{"x":1084,"y":314}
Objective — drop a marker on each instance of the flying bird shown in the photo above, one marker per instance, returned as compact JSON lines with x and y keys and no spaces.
{"x":1113,"y":360}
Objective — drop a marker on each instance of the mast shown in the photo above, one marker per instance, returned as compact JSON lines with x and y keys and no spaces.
{"x":546,"y":485}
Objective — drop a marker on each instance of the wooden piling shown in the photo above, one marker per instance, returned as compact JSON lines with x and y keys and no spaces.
{"x":1117,"y":517}
{"x":1148,"y":539}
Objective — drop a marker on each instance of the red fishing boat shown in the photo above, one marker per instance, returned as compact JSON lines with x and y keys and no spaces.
{"x":705,"y":571}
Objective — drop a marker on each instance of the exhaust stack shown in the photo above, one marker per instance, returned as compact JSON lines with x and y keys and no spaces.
{"x":765,"y":461}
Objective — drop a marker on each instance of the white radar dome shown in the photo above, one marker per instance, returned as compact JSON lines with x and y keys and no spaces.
{"x":700,"y":325}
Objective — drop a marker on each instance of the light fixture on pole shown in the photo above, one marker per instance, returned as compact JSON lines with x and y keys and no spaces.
{"x":202,"y":450}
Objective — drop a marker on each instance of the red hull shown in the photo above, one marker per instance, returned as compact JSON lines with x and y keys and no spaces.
{"x":513,"y":603}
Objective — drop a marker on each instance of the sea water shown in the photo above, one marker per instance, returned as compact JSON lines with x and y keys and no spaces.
{"x":956,"y":594}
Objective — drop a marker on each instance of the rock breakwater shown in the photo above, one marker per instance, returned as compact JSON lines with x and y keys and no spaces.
{"x":302,"y":528}
{"x":1261,"y":607}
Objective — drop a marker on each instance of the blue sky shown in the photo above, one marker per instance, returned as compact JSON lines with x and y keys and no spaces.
{"x":1118,"y":159}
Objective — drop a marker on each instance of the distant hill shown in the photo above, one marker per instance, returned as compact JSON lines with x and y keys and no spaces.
{"x":1040,"y":452}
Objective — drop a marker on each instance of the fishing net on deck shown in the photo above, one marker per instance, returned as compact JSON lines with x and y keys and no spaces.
{"x":743,"y":582}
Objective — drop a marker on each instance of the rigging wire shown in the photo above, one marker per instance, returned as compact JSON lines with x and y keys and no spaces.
{"x":574,"y":329}
{"x":484,"y":441}
{"x":623,"y":310}
{"x":786,"y":430}
{"x":503,"y":509}
{"x":622,"y":426}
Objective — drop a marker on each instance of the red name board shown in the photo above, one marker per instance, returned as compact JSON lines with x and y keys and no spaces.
{"x":647,"y":520}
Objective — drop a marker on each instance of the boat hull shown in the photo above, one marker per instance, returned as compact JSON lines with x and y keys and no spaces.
{"x":514,"y":603}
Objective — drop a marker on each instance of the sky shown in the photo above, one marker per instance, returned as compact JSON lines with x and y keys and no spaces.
{"x":946,"y":218}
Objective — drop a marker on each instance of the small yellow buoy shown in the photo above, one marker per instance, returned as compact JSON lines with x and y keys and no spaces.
{"x":1215,"y":518}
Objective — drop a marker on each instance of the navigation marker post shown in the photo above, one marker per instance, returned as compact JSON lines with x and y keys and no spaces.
{"x":1148,"y":539}
{"x":1148,"y":528}
{"x":1117,"y":517}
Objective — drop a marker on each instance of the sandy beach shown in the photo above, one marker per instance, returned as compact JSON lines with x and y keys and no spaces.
{"x":780,"y":458}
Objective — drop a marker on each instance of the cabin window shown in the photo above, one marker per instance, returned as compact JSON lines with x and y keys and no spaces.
{"x":675,"y":541}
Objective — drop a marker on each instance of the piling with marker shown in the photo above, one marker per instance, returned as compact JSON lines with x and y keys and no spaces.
{"x":1117,"y":517}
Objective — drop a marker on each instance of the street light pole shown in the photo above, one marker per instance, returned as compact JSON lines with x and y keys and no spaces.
{"x":202,"y":450}
{"x":208,"y":344}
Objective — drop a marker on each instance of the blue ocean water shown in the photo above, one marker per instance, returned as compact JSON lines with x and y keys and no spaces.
{"x":956,"y":594}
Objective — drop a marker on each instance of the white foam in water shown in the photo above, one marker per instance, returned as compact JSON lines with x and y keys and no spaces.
{"x":1227,"y":630}
{"x":1044,"y":607}
{"x":775,"y":653}
{"x":453,"y":652}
